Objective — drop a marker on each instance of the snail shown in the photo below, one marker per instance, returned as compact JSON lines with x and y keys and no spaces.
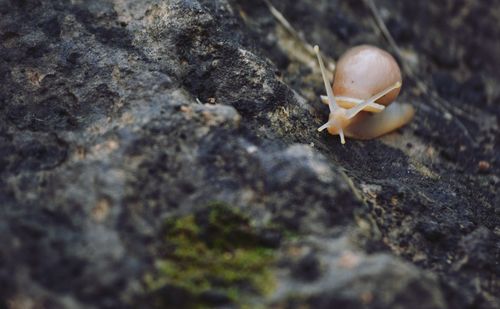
{"x":367,"y":79}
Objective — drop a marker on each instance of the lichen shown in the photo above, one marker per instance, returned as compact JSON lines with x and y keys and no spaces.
{"x":215,"y":251}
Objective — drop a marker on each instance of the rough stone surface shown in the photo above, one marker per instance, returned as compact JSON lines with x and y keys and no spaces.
{"x":117,"y":115}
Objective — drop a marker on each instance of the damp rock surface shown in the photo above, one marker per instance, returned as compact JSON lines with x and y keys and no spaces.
{"x":151,"y":152}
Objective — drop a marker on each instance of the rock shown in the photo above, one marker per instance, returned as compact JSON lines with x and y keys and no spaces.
{"x":117,"y":117}
{"x":308,"y":268}
{"x":352,"y":279}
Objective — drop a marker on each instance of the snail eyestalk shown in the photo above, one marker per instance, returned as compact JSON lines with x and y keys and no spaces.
{"x":342,"y":138}
{"x":355,"y":110}
{"x":331,"y":123}
{"x":323,"y":127}
{"x":331,"y":99}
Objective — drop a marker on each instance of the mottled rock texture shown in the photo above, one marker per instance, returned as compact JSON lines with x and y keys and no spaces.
{"x":119,"y":116}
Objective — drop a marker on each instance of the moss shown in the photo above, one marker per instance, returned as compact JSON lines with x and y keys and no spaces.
{"x":214,"y":252}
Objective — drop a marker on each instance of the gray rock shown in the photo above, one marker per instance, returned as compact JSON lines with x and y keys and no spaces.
{"x":117,"y":116}
{"x":352,"y":279}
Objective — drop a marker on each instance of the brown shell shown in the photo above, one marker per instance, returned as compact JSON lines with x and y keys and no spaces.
{"x":365,"y":70}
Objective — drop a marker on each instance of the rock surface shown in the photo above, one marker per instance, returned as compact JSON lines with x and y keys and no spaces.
{"x":119,"y":116}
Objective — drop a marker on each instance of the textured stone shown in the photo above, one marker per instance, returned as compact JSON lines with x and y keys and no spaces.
{"x":116,"y":116}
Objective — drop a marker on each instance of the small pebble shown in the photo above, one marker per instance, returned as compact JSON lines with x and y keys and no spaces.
{"x":483,"y":166}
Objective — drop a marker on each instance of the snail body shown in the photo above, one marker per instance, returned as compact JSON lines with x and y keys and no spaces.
{"x":367,"y":81}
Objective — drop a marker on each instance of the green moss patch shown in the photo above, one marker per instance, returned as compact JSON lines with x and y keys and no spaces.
{"x":214,"y":256}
